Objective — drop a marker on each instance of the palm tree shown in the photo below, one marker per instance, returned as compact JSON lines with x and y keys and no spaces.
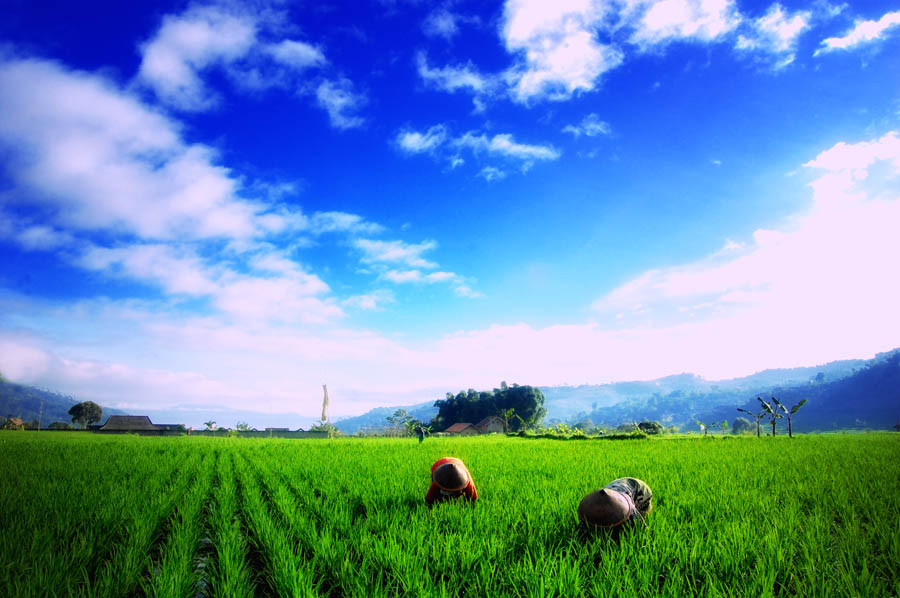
{"x":703,"y":427}
{"x":210,"y":425}
{"x":756,"y":416}
{"x":507,"y":415}
{"x":792,"y":411}
{"x":770,"y":410}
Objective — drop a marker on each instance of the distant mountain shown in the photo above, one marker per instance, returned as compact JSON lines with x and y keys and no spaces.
{"x":377,"y":418}
{"x":565,"y":403}
{"x":674,"y":400}
{"x":23,"y":401}
{"x":866,"y":396}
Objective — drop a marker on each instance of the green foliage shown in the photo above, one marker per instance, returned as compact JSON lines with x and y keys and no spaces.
{"x":527,"y":403}
{"x":86,"y":413}
{"x":210,"y":516}
{"x":650,"y":427}
{"x":331,"y":429}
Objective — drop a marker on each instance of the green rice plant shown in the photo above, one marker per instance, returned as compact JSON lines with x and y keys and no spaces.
{"x":229,"y":575}
{"x":346,"y":517}
{"x":143,"y":523}
{"x":175,"y":574}
{"x":286,"y":570}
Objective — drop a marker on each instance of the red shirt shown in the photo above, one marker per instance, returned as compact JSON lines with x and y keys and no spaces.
{"x":436,"y":493}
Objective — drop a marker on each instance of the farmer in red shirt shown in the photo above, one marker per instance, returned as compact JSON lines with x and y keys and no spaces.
{"x":450,"y":479}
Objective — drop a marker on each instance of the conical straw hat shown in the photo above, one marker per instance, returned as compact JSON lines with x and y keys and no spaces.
{"x":451,"y":477}
{"x":604,"y":508}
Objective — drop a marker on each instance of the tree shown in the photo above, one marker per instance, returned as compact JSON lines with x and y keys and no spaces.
{"x":724,"y":426}
{"x":326,"y":427}
{"x":756,"y":416}
{"x":649,"y":427}
{"x":771,"y":411}
{"x":86,"y":413}
{"x":210,"y":425}
{"x":473,"y":406}
{"x":399,"y":418}
{"x":507,"y":415}
{"x":790,"y":412}
{"x":702,"y":427}
{"x":242,"y":427}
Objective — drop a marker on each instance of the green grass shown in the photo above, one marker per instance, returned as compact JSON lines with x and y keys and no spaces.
{"x":91,"y":515}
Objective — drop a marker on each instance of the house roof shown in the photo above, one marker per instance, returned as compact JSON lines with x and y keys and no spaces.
{"x":458,"y":427}
{"x":488,"y":421}
{"x":129,"y":422}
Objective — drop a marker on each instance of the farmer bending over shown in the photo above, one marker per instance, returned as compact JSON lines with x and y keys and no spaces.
{"x":450,"y":479}
{"x":619,"y":503}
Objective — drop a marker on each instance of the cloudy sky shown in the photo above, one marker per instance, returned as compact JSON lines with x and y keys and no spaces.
{"x":230,"y":204}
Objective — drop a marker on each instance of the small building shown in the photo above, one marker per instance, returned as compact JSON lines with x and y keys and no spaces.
{"x":138,"y":424}
{"x":491,"y":425}
{"x":462,"y":429}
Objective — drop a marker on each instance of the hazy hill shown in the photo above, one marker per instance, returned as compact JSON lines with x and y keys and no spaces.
{"x":866,"y":396}
{"x":674,"y":400}
{"x":377,"y":418}
{"x":23,"y":401}
{"x":567,"y":402}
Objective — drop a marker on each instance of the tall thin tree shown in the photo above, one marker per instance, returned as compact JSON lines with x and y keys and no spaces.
{"x":789,"y":412}
{"x":771,"y":411}
{"x":757,"y":417}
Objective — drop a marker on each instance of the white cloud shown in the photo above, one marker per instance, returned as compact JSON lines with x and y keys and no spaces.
{"x":557,"y":50}
{"x":403,"y":276}
{"x":466,"y":291}
{"x":203,"y":36}
{"x":415,"y":143}
{"x":441,"y":23}
{"x":96,"y":158}
{"x":410,"y":254}
{"x":775,"y":33}
{"x":178,"y":271}
{"x":296,"y":54}
{"x":340,"y":101}
{"x":40,"y":237}
{"x":247,"y":46}
{"x":590,"y":125}
{"x":330,"y":222}
{"x":500,"y":145}
{"x":504,"y":145}
{"x":491,"y":173}
{"x":817,"y":284}
{"x":665,"y":21}
{"x":863,"y":32}
{"x":453,"y":78}
{"x":370,"y":301}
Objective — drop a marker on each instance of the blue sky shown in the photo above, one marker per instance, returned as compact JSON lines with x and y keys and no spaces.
{"x":231,"y":204}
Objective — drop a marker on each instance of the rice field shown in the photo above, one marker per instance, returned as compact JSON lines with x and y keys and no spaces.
{"x":101,"y":516}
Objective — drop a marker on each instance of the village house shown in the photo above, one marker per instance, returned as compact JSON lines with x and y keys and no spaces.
{"x":138,"y":424}
{"x":462,"y":429}
{"x":491,"y":425}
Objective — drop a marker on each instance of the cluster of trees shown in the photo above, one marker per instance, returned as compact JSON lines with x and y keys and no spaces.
{"x":775,"y":410}
{"x":520,"y":407}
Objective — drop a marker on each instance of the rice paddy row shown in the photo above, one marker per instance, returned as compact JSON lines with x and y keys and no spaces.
{"x":88,"y":515}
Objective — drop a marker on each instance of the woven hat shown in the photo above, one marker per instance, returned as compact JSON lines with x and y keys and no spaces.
{"x":451,"y":477}
{"x":605,"y":508}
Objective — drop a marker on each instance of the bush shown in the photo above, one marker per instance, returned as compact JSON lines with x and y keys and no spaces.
{"x":650,"y":427}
